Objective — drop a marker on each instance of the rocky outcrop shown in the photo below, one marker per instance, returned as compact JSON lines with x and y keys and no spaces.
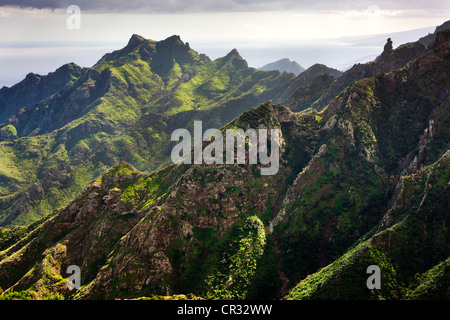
{"x":318,"y":95}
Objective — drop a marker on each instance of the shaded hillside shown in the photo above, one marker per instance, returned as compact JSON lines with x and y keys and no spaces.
{"x":410,"y":233}
{"x":35,"y":88}
{"x":429,"y":39}
{"x":307,"y":77}
{"x":185,"y":217}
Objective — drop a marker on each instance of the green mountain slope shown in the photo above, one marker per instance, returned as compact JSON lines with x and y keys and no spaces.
{"x":171,"y":214}
{"x":410,"y":247}
{"x":124,"y":108}
{"x":362,"y":182}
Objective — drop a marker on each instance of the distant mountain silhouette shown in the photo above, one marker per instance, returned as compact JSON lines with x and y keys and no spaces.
{"x":284,"y":65}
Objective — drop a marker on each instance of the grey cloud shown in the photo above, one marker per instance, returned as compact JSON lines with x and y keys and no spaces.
{"x":176,"y":6}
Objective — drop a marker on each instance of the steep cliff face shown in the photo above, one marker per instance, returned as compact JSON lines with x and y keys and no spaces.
{"x":54,"y":111}
{"x":410,"y":246}
{"x":429,"y":39}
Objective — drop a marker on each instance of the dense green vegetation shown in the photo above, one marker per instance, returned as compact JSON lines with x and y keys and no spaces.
{"x":412,"y":253}
{"x":363,"y":181}
{"x":123,"y":109}
{"x":238,"y":268}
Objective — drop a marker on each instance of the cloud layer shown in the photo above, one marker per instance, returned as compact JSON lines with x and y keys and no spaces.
{"x":178,"y":6}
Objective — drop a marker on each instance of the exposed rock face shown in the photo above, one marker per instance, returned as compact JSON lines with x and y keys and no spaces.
{"x":385,"y":101}
{"x":67,"y":104}
{"x":20,"y":105}
{"x":83,"y":234}
{"x":155,"y":224}
{"x":388,"y":48}
{"x":204,"y":198}
{"x":389,"y":60}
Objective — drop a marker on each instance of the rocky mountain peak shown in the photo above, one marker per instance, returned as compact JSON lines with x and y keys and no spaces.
{"x":32,"y":77}
{"x":320,"y":69}
{"x":388,"y":46}
{"x":135,"y":41}
{"x":234,"y":53}
{"x":172,"y":43}
{"x":387,"y":50}
{"x":429,"y":39}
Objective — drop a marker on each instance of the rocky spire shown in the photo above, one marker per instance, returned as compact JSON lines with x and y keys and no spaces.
{"x":388,"y":48}
{"x":234,"y":53}
{"x":135,"y":40}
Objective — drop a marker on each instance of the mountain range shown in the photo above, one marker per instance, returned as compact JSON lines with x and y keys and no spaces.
{"x":75,"y":123}
{"x":86,"y":178}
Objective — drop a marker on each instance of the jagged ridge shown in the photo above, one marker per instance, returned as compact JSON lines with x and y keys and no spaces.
{"x":362,"y":182}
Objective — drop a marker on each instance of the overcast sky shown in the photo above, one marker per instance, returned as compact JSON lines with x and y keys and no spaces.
{"x":34,"y":35}
{"x":178,"y":6}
